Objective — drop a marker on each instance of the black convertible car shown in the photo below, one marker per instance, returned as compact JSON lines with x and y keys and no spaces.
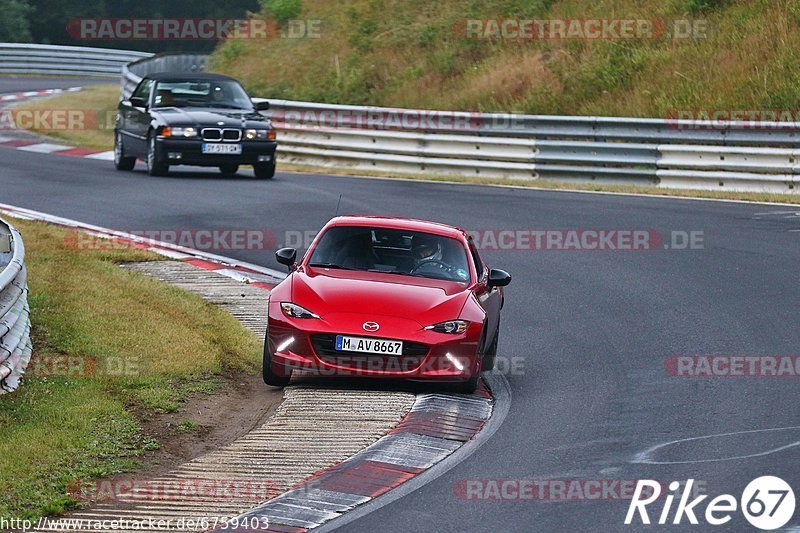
{"x":193,"y":119}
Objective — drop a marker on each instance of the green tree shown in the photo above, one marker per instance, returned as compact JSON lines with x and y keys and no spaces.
{"x":51,"y":17}
{"x":14,"y":24}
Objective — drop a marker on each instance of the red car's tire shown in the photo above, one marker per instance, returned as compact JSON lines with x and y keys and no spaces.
{"x":491,"y":353}
{"x":469,"y":386}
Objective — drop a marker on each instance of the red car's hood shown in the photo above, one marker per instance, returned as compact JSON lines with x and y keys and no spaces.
{"x":425,"y":301}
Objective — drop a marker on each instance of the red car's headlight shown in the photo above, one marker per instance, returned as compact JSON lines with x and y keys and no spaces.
{"x":453,"y":327}
{"x":295,"y":311}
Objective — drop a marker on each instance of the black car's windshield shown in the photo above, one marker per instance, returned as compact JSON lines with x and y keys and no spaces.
{"x":225,"y":94}
{"x":392,"y":251}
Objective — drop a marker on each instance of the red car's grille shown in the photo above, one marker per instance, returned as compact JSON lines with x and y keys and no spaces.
{"x":413,"y":355}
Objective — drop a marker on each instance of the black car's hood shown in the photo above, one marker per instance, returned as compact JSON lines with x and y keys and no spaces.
{"x":226,"y":118}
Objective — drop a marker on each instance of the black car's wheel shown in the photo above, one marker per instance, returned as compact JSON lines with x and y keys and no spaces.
{"x":120,"y":161}
{"x":154,"y":166}
{"x":265,"y":171}
{"x":229,"y":170}
{"x":270,"y":377}
{"x":491,"y":353}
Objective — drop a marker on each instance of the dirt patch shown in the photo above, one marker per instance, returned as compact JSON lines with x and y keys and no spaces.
{"x":240,"y":404}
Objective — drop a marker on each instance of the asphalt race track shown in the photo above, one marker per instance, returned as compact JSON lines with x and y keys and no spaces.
{"x":588,"y":331}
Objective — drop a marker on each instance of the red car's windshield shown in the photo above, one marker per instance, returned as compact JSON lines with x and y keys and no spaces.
{"x":395,"y":251}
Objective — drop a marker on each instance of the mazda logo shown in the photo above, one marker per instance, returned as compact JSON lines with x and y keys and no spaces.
{"x":371,"y":326}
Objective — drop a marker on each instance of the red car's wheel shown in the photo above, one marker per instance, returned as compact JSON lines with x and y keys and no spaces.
{"x":491,"y":352}
{"x":469,"y":386}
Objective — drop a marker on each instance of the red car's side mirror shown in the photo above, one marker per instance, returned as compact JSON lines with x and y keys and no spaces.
{"x":498,"y":278}
{"x":286,"y":256}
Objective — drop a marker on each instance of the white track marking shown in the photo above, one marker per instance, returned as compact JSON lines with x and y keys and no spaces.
{"x":105,"y":156}
{"x":645,"y":456}
{"x":44,"y":148}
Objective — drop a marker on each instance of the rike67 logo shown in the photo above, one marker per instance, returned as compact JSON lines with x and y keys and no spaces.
{"x":767,"y":503}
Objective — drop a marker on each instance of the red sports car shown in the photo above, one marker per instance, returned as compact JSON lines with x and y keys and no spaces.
{"x":387,"y":298}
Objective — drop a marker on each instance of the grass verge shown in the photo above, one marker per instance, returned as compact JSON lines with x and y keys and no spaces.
{"x":97,"y":359}
{"x":107,"y":100}
{"x":95,"y":109}
{"x":736,"y":55}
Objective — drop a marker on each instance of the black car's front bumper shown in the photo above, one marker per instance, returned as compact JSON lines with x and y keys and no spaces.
{"x":174,"y":151}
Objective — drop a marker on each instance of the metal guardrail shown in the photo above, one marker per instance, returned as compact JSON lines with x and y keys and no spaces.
{"x":15,"y":324}
{"x":666,"y":153}
{"x":24,"y":58}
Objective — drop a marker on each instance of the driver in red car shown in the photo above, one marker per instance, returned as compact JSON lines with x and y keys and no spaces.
{"x":429,"y":253}
{"x":426,"y":248}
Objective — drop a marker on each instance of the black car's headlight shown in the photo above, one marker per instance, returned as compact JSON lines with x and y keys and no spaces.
{"x":295,"y":311}
{"x":453,"y":327}
{"x":259,"y":135}
{"x":178,"y":131}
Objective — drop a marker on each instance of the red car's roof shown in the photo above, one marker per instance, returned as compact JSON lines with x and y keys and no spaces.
{"x":410,"y":224}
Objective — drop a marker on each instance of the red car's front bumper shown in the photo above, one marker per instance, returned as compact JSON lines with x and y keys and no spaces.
{"x":309,"y":345}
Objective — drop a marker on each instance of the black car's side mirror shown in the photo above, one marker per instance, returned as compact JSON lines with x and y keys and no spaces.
{"x":286,"y":256}
{"x":498,"y":278}
{"x":260,"y":105}
{"x":138,"y":101}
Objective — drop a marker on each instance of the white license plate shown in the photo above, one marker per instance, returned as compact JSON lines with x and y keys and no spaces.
{"x":367,"y":345}
{"x":234,"y":149}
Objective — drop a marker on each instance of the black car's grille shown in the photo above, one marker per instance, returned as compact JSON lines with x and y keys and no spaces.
{"x":231,"y":135}
{"x":221,"y":134}
{"x":325,"y":347}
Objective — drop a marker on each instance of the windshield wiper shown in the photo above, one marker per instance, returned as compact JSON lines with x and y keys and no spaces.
{"x":431,"y":276}
{"x":330,"y":265}
{"x":415,"y":275}
{"x":224,"y":106}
